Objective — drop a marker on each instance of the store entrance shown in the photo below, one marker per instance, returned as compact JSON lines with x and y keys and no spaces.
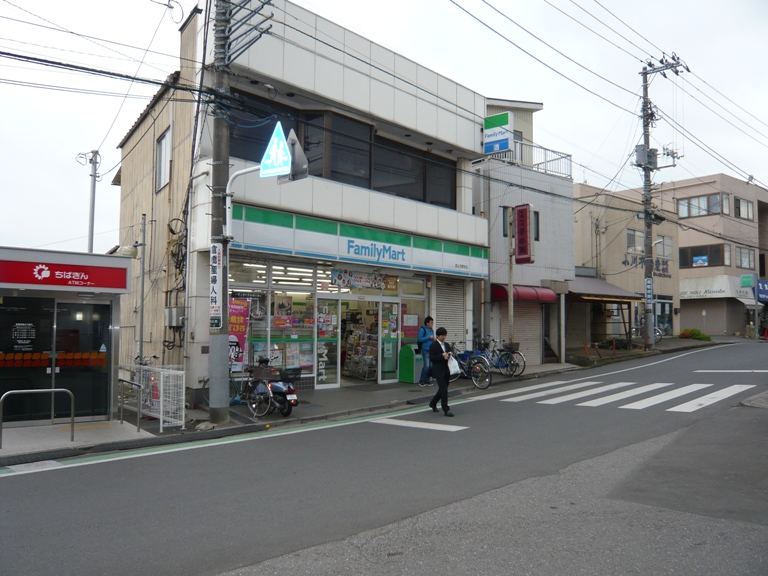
{"x":369,"y":341}
{"x":47,"y":344}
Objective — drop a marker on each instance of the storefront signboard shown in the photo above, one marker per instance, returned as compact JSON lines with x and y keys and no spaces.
{"x":288,"y":234}
{"x":497,"y":133}
{"x":52,"y":275}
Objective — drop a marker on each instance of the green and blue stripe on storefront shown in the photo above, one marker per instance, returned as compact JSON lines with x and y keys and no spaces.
{"x":292,"y":234}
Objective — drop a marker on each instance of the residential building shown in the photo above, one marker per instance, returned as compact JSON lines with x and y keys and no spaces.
{"x":610,"y":249}
{"x":331,"y":274}
{"x":723,"y":222}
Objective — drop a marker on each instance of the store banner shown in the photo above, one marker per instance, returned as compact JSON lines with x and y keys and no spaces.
{"x":238,"y":329}
{"x":355,"y":279}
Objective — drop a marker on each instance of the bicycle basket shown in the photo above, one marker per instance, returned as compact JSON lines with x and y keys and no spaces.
{"x":263,"y":373}
{"x":511,"y":346}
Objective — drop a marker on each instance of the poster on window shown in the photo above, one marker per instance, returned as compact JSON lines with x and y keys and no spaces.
{"x":238,"y":329}
{"x":355,"y":279}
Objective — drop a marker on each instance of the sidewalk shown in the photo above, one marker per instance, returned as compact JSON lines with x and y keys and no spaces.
{"x":26,"y":445}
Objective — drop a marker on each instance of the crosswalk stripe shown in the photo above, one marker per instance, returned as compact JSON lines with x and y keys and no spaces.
{"x":550,"y":392}
{"x":423,"y":425}
{"x":626,"y":394}
{"x":658,"y":399}
{"x":710,"y":398}
{"x":495,"y":395}
{"x":583,"y":393}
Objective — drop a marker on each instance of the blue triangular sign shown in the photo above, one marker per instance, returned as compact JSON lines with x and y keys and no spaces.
{"x":277,"y":157}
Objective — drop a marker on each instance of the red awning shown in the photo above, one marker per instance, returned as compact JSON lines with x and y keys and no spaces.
{"x":525,"y":293}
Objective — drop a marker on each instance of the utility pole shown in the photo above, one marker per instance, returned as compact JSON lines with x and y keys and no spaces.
{"x":95,"y":160}
{"x":218,"y":358}
{"x":647,"y":159}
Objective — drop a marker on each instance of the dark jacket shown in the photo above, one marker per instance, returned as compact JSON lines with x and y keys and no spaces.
{"x":439,"y":364}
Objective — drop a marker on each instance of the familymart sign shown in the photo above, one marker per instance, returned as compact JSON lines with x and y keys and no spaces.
{"x":282,"y":233}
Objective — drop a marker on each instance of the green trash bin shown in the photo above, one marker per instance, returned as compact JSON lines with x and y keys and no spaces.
{"x":411,"y":364}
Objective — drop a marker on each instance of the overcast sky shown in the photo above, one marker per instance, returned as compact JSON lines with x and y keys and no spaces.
{"x":714,"y":117}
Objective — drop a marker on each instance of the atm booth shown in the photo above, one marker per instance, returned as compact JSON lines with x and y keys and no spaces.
{"x":59,"y":321}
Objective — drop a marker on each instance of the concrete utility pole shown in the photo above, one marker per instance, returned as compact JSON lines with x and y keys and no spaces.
{"x":227,"y":47}
{"x":94,"y":160}
{"x":647,"y":159}
{"x":218,"y":359}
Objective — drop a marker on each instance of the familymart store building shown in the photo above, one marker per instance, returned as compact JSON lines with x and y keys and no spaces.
{"x":336,"y":302}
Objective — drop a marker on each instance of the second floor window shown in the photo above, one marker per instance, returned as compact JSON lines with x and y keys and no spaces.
{"x":698,"y":206}
{"x":743,"y":209}
{"x":635,"y":241}
{"x":163,"y":159}
{"x":745,"y":258}
{"x":665,"y":247}
{"x":695,"y":256}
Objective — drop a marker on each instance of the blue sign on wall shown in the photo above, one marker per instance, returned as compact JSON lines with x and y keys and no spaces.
{"x":762,"y":290}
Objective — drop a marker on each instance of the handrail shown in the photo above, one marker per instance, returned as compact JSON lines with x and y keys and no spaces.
{"x":138,"y":406}
{"x":51,"y":391}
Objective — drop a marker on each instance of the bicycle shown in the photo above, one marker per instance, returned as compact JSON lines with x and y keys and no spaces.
{"x":502,"y":360}
{"x":472,"y":367}
{"x":239,"y":393}
{"x":638,"y":332}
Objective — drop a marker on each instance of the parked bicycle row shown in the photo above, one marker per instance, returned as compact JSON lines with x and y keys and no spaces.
{"x":479,"y":364}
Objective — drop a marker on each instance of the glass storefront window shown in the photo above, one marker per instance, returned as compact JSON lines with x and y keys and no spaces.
{"x":412,"y":286}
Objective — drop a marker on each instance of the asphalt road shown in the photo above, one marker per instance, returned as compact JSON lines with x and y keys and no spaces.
{"x":585,"y":476}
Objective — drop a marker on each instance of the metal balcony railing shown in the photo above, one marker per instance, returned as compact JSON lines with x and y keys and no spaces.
{"x":537,"y":158}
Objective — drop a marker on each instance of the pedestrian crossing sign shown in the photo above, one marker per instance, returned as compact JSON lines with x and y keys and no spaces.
{"x":277,"y":157}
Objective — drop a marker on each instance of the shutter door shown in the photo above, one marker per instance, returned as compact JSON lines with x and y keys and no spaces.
{"x":449,"y":301}
{"x":528,"y":330}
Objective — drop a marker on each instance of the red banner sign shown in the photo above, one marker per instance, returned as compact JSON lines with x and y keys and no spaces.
{"x":45,"y":274}
{"x":524,"y":234}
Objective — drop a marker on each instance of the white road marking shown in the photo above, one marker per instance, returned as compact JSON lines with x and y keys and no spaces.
{"x":550,"y":392}
{"x":423,"y":425}
{"x":495,"y":395}
{"x":653,"y":400}
{"x":625,"y":394}
{"x":583,"y":393}
{"x":710,"y":398}
{"x":733,"y":371}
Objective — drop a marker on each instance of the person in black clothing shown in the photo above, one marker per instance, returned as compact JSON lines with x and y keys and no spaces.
{"x":438,"y":355}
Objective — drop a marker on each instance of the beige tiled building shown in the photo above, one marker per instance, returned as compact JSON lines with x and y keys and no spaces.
{"x":609,"y":241}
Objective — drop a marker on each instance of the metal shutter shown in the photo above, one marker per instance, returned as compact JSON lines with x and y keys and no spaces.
{"x":528,"y":318}
{"x":449,"y":301}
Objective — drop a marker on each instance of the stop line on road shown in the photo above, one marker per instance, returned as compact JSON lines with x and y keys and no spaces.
{"x":591,"y":388}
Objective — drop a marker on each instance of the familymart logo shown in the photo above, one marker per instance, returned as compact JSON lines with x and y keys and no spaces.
{"x":376,"y":252}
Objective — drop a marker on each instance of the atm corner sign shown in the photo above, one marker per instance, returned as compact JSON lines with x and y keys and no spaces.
{"x":277,"y":157}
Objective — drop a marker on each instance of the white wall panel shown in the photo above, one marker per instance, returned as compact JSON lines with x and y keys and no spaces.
{"x":303,"y":27}
{"x":446,"y":124}
{"x":357,"y":89}
{"x":427,"y":81}
{"x":326,"y":198}
{"x":329,"y":78}
{"x":382,"y":100}
{"x":382,"y":210}
{"x":299,"y":67}
{"x":382,"y":64}
{"x":405,"y":108}
{"x":426,"y":116}
{"x":406,"y":75}
{"x":358,"y":52}
{"x":333,"y":34}
{"x":355,"y":204}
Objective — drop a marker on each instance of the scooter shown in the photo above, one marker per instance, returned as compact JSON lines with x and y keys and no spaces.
{"x":273,"y":389}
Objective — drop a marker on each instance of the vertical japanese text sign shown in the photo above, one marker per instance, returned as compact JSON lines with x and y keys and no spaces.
{"x":524,"y":234}
{"x":215,"y":294}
